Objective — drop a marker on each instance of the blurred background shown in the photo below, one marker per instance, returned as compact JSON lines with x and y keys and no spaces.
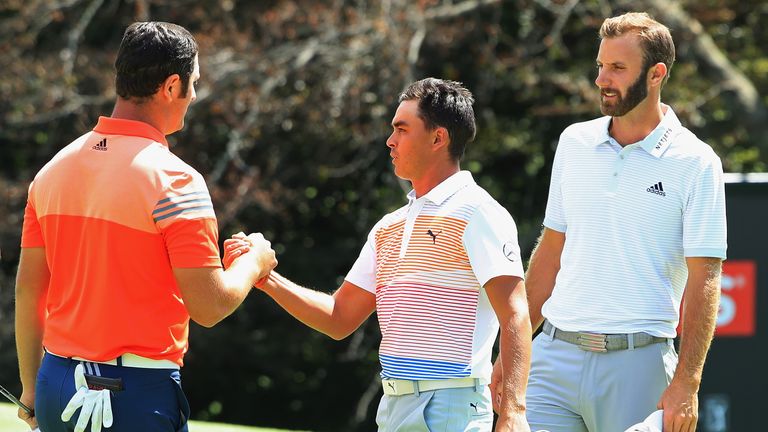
{"x":289,"y":130}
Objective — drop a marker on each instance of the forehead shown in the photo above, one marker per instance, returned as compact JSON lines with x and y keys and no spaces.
{"x":407,"y":112}
{"x":196,"y":67}
{"x":623,"y":49}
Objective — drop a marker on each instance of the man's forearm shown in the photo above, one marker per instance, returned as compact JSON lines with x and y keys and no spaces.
{"x":313,"y":308}
{"x":29,"y":337}
{"x":542,"y":272}
{"x":698,"y":321}
{"x":32,"y":280}
{"x":29,"y":347}
{"x":515,"y":355}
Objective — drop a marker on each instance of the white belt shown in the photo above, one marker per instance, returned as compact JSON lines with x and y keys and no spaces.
{"x":398,"y":387}
{"x":129,"y":360}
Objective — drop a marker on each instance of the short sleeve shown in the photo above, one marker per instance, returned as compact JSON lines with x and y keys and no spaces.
{"x":704,"y":223}
{"x":363,"y":271}
{"x":31,"y":232}
{"x":554,"y":217}
{"x":193,"y":243}
{"x":185,"y":217}
{"x":490,"y":240}
{"x":184,"y":197}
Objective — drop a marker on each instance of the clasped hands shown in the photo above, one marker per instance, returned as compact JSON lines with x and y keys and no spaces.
{"x":240,"y":244}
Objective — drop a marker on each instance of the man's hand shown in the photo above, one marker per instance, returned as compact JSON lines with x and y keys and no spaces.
{"x":680,"y":403}
{"x":495,"y":385}
{"x":514,"y":423}
{"x":234,"y":248}
{"x":28,"y":399}
{"x":262,"y":254}
{"x":254,"y":246}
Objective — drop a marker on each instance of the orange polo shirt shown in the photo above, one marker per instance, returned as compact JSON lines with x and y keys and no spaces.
{"x":116,"y":211}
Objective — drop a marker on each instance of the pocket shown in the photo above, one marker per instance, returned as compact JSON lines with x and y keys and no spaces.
{"x":669,"y":359}
{"x":184,"y":410}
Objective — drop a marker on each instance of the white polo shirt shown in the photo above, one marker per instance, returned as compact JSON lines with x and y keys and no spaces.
{"x":631,"y":216}
{"x":427,"y":263}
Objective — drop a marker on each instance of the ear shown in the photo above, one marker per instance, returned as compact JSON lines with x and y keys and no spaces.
{"x":442,"y":138}
{"x":656,"y":74}
{"x":170,"y":89}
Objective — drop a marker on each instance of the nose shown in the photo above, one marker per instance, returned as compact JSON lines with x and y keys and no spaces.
{"x":601,"y":80}
{"x":391,"y":140}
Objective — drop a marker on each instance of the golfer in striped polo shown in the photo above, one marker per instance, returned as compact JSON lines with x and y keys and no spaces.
{"x":442,"y":273}
{"x":634,"y":224}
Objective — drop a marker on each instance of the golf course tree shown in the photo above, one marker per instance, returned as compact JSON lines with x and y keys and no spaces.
{"x":289,"y":129}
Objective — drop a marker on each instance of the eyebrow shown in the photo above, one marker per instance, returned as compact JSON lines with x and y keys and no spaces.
{"x":617,"y":63}
{"x":399,"y":123}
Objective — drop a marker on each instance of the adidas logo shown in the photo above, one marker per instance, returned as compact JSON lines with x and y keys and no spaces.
{"x":658,"y":189}
{"x":101,"y":145}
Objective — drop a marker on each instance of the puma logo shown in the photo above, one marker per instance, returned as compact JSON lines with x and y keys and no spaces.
{"x":473,"y":406}
{"x":433,"y":235}
{"x":391,"y":385}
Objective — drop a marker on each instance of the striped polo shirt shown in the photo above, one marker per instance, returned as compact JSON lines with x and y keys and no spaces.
{"x":631,"y":215}
{"x":116,"y":211}
{"x":427,"y":264}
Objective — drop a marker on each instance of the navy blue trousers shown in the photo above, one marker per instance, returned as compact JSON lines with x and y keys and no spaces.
{"x":151,"y":400}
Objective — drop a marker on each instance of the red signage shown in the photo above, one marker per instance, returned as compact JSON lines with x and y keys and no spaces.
{"x":736,"y":316}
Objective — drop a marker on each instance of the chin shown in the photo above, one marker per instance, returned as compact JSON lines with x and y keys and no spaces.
{"x":400,"y":175}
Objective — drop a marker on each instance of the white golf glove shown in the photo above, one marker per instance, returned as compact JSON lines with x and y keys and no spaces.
{"x":652,"y":423}
{"x":96,"y":405}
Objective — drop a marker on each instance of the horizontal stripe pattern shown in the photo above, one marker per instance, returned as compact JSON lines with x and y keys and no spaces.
{"x":426,"y":299}
{"x":623,"y":266}
{"x":420,"y":369}
{"x":190,"y":205}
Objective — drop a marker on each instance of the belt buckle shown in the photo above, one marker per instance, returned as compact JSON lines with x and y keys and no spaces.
{"x":594,"y":342}
{"x":396,"y":387}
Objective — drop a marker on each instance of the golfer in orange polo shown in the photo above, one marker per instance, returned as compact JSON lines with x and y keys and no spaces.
{"x":119,"y":251}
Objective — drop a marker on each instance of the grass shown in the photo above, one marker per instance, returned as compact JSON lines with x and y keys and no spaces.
{"x":10,"y":423}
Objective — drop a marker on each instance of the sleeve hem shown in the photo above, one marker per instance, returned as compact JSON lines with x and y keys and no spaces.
{"x":705,"y":252}
{"x":549,"y":223}
{"x":515,"y":270}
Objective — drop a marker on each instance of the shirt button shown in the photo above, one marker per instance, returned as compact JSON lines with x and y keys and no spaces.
{"x":621,"y":157}
{"x":615,"y":174}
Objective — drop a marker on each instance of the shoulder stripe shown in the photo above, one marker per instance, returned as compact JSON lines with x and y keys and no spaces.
{"x":174,"y":213}
{"x":174,"y":205}
{"x":191,"y":194}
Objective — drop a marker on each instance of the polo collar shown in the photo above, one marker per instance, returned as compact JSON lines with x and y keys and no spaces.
{"x":446,"y":188}
{"x":657,"y":142}
{"x":118,"y":126}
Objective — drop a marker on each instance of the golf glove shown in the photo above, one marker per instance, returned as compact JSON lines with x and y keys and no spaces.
{"x":95,"y":405}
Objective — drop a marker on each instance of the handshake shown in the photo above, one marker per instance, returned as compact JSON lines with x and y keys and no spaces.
{"x":253,"y":248}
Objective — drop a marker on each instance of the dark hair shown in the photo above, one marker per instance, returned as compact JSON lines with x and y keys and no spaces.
{"x":655,"y":38}
{"x":445,"y":104}
{"x":149,"y":53}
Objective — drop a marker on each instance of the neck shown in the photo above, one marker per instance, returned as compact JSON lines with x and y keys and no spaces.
{"x":638,"y":123}
{"x":127,"y":110}
{"x":434,"y":177}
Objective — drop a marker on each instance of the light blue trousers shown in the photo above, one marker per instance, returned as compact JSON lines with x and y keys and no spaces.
{"x":446,"y":410}
{"x":572,"y":390}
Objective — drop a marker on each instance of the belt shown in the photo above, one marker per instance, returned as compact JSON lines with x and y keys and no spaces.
{"x":128,"y":360}
{"x":598,"y":342}
{"x":398,"y":387}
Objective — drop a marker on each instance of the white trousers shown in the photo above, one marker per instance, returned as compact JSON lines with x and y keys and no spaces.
{"x":572,"y":390}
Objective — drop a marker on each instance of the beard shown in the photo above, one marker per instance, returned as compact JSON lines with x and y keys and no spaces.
{"x":636,"y":93}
